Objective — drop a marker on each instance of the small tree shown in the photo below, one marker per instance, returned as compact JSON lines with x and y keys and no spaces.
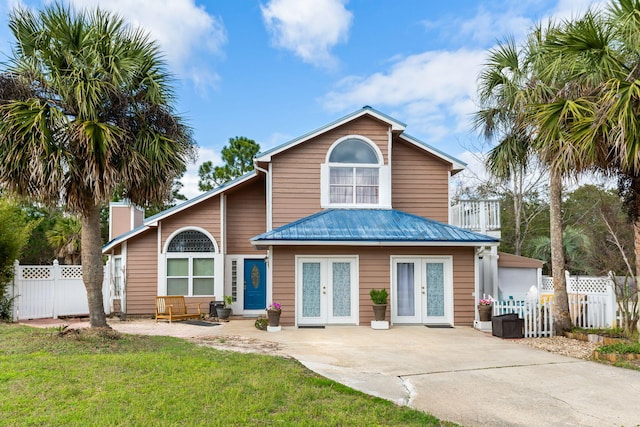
{"x":238,"y":159}
{"x":14,"y":234}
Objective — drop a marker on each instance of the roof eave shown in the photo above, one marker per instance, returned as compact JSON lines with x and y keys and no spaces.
{"x":396,"y":126}
{"x":456,"y":165}
{"x":264,"y":243}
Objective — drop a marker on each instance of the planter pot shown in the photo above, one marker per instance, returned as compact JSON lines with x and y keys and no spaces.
{"x":223,"y":313}
{"x":274,"y":317}
{"x":379,"y":311}
{"x":485,"y":312}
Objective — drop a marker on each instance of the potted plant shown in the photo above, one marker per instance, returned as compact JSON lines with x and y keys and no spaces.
{"x":225,"y":312}
{"x":485,"y":306}
{"x":273,"y":313}
{"x":379,"y":299}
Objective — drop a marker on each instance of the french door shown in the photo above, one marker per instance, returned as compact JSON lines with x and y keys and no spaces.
{"x":422,"y":290}
{"x":327,"y":290}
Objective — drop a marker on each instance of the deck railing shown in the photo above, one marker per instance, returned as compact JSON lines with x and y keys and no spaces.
{"x":476,"y":215}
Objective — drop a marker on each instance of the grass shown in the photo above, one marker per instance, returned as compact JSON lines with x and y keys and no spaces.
{"x":621,"y":348}
{"x":50,"y":378}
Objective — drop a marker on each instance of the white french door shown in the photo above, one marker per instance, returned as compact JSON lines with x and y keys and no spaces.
{"x":422,"y":290}
{"x":327,"y":290}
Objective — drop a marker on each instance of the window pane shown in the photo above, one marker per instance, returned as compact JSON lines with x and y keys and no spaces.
{"x":406,"y":291}
{"x":341,"y":289}
{"x":191,"y":241}
{"x":203,"y":286}
{"x":341,"y":176}
{"x":435,"y":289}
{"x":353,"y":151}
{"x":366,"y":176}
{"x":340,"y":194}
{"x":177,"y":267}
{"x":367,"y":195}
{"x":203,"y":267}
{"x":178,"y":286}
{"x":311,"y":289}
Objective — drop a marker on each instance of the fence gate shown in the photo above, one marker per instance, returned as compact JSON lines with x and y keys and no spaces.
{"x":51,"y":291}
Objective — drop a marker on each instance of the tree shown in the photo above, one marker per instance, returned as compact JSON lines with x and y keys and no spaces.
{"x":509,"y":85}
{"x":238,"y":159}
{"x":14,"y":234}
{"x":65,"y":237}
{"x":86,"y":108}
{"x":598,"y":53}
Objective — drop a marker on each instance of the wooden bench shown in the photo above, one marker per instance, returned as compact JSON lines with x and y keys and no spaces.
{"x":173,"y":307}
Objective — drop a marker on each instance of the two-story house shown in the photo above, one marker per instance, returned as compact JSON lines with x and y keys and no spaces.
{"x":354,"y":205}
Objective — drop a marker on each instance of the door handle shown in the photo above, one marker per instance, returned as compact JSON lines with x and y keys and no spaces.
{"x":423,"y":290}
{"x":324,"y":290}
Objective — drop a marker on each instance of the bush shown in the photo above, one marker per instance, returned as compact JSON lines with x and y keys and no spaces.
{"x":6,"y":308}
{"x":379,"y":296}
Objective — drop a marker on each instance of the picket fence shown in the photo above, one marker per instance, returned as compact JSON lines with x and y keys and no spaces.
{"x":51,"y":291}
{"x":592,"y":304}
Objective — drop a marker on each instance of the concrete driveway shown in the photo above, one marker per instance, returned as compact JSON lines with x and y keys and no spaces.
{"x":458,"y":374}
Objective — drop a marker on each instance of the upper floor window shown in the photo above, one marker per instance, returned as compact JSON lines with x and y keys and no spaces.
{"x":354,"y":175}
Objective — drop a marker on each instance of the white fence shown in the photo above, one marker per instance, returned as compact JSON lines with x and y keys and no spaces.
{"x":592,"y":304}
{"x":43,"y":291}
{"x":592,"y":300}
{"x":537,"y":315}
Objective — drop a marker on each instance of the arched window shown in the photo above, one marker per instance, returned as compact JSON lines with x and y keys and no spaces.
{"x":354,"y":173}
{"x":190,"y":264}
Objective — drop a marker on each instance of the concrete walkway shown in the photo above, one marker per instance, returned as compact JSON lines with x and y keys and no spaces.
{"x":459,"y":374}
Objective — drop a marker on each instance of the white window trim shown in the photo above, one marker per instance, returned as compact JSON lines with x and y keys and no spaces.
{"x":218,"y":281}
{"x":384,"y":181}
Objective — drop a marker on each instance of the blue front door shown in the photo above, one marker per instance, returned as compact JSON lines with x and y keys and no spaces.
{"x":255,"y":284}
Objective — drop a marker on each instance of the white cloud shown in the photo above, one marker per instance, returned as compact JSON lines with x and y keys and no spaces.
{"x":310,"y":29}
{"x":191,"y":178}
{"x":429,"y":90}
{"x":183,"y":30}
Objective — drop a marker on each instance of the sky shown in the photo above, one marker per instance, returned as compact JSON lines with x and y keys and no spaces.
{"x":273,"y":70}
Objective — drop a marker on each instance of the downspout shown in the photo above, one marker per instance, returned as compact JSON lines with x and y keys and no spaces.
{"x":268,"y":195}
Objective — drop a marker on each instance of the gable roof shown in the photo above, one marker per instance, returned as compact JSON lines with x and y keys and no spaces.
{"x":370,"y":227}
{"x":152,"y":221}
{"x":364,"y":111}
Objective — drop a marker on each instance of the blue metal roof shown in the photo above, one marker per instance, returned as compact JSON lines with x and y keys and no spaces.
{"x":370,"y":225}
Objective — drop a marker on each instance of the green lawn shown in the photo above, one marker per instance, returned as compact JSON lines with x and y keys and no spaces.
{"x":91,"y":379}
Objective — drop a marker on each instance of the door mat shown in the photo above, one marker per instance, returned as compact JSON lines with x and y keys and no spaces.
{"x":200,"y":323}
{"x":439,"y":326}
{"x":311,"y":327}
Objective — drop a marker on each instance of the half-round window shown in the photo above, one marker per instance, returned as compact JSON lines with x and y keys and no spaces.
{"x":191,"y":241}
{"x":353,"y":151}
{"x":354,"y":174}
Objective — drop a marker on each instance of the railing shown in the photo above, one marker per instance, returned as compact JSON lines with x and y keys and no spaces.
{"x":476,"y":215}
{"x":537,"y":315}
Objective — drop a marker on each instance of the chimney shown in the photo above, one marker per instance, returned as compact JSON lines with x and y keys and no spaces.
{"x":123,"y":217}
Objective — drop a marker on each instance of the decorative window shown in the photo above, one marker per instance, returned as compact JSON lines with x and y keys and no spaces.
{"x":354,"y":175}
{"x":191,"y":264}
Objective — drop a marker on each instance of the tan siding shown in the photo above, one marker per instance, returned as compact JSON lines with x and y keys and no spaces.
{"x":375,"y":273}
{"x":246,"y":217}
{"x":296,"y":172}
{"x":142,"y":273}
{"x":120,"y":220}
{"x":420,"y":182}
{"x":205,"y":215}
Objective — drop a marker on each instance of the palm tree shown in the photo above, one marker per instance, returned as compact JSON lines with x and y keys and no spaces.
{"x":599,"y":53}
{"x":65,"y":237}
{"x":85,"y":109}
{"x":509,"y":86}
